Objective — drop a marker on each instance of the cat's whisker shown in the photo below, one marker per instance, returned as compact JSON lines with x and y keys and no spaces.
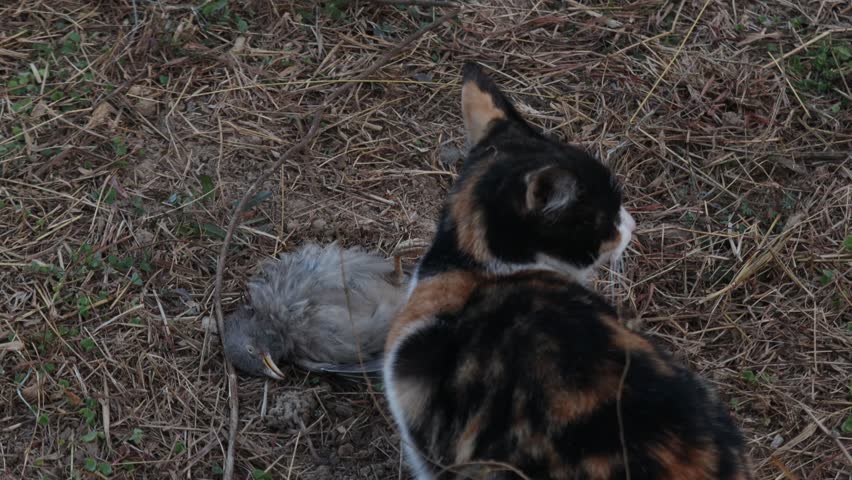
{"x":616,"y":276}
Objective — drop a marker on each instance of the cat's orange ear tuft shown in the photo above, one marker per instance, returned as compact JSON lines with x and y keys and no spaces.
{"x":482,"y":103}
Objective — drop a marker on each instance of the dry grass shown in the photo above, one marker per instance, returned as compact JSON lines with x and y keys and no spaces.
{"x":128,"y":128}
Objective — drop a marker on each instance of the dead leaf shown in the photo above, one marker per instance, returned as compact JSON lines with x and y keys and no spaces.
{"x":31,"y":392}
{"x":239,"y":45}
{"x":756,"y":37}
{"x":100,"y":115}
{"x":41,"y":109}
{"x":13,"y":346}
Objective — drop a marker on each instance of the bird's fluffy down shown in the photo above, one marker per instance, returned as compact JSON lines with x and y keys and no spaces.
{"x":302,"y":296}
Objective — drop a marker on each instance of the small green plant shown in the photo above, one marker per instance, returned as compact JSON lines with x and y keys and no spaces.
{"x":22,"y":106}
{"x":87,"y":344}
{"x":174,"y":199}
{"x":16,"y":143}
{"x":92,"y":465}
{"x":847,"y":243}
{"x":260,"y":474}
{"x":797,"y":23}
{"x":110,"y":196}
{"x":214,"y":8}
{"x":334,"y":9}
{"x":88,"y":411}
{"x":138,"y":209}
{"x":43,"y":419}
{"x":757,"y":378}
{"x":84,"y":306}
{"x":145,"y":262}
{"x":71,"y":44}
{"x":136,"y":437}
{"x":255,"y":200}
{"x":242,"y":24}
{"x":735,"y":404}
{"x":119,"y":146}
{"x":746,"y":210}
{"x":122,"y":264}
{"x":207,"y":186}
{"x":823,"y":69}
{"x":179,"y":447}
{"x":826,"y":277}
{"x":847,"y":425}
{"x":213,"y":230}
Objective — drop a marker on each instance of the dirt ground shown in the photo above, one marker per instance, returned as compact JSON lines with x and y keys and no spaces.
{"x":129,"y":128}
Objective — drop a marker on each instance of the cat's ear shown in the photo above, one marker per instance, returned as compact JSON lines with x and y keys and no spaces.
{"x":550,"y":190}
{"x":483,"y":105}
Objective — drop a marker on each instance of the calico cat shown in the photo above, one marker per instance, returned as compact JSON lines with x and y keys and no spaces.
{"x":503,"y":364}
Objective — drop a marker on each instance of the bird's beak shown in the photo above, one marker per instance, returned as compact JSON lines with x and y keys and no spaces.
{"x":271,"y":368}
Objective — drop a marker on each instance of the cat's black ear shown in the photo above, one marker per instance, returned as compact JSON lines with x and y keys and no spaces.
{"x":550,"y":190}
{"x":483,"y":105}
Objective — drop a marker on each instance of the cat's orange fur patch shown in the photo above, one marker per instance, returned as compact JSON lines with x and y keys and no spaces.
{"x":443,"y":293}
{"x":468,"y":218}
{"x":611,"y":244}
{"x":629,"y":341}
{"x":569,"y":405}
{"x":678,"y":462}
{"x":600,"y":467}
{"x":479,"y":111}
{"x":467,"y":440}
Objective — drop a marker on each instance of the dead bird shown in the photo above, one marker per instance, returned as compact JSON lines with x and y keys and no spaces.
{"x":299,"y":312}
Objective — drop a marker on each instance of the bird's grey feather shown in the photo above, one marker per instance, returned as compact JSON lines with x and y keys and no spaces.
{"x":371,"y":368}
{"x":311,"y":316}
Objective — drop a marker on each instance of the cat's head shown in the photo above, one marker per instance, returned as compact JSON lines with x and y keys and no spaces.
{"x":524,"y":200}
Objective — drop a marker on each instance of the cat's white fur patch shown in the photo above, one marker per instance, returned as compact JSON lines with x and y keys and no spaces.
{"x":583,"y":276}
{"x":413,"y":458}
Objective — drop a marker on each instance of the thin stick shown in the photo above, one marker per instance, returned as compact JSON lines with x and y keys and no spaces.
{"x":786,"y":79}
{"x":233,"y":401}
{"x":418,"y":3}
{"x":610,"y":22}
{"x":671,"y":62}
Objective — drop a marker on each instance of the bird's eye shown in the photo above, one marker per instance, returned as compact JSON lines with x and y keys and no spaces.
{"x":250,"y":349}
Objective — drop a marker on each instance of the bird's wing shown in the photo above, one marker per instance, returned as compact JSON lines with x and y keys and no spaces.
{"x":372,"y":368}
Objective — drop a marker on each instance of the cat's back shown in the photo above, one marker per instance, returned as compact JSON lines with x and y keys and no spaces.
{"x":535,"y":371}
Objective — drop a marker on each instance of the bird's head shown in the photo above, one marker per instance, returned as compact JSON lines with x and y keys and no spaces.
{"x":251,"y":345}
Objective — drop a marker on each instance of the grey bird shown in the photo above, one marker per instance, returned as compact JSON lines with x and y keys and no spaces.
{"x":299,"y":312}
